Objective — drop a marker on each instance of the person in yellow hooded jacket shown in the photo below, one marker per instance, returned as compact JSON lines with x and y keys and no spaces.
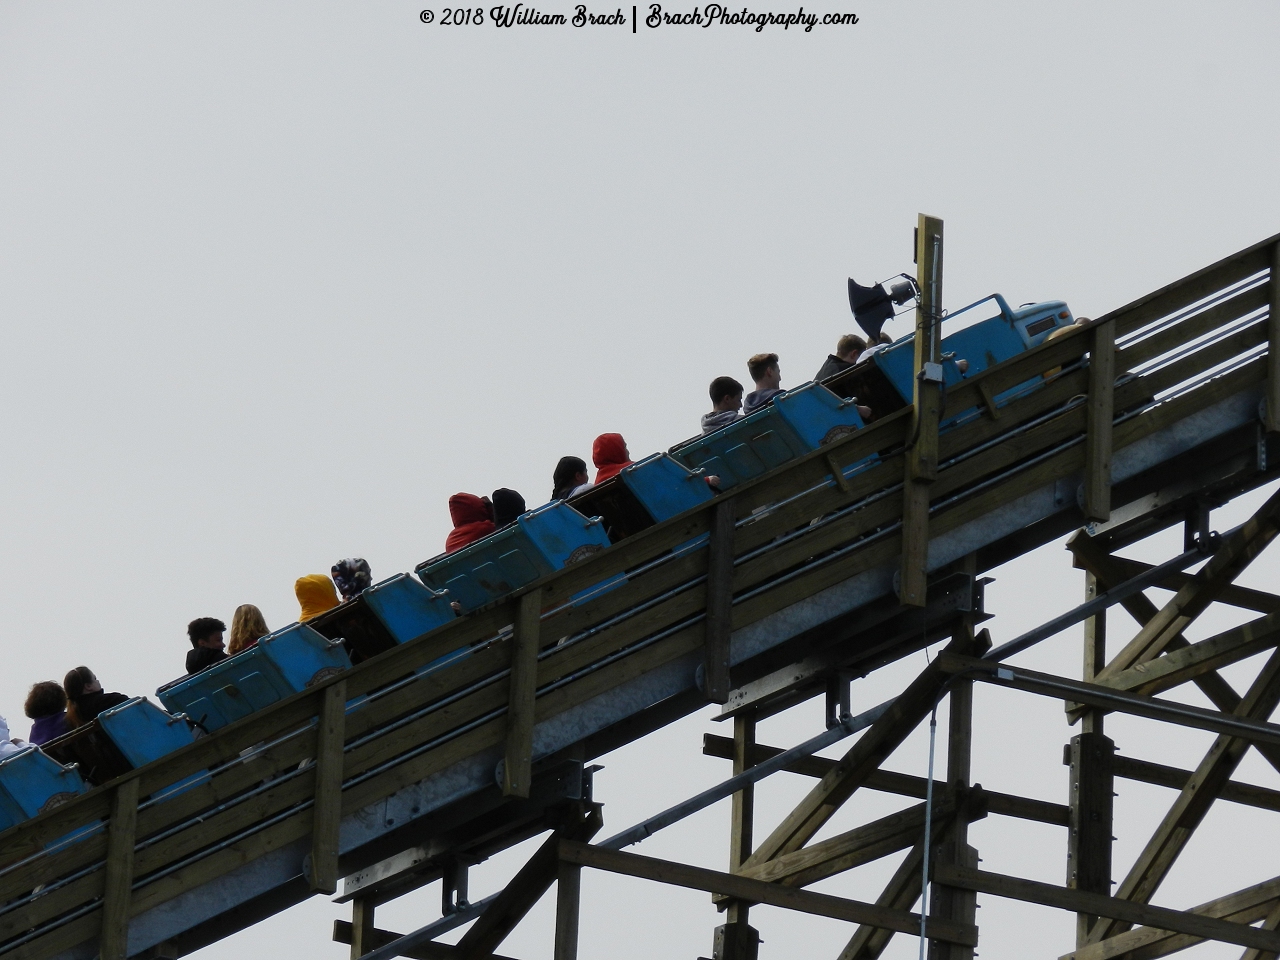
{"x":316,"y":594}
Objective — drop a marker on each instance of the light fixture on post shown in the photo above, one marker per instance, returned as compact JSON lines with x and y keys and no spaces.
{"x":873,"y":305}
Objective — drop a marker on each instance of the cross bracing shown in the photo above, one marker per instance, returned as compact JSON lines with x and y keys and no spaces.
{"x":392,"y":779}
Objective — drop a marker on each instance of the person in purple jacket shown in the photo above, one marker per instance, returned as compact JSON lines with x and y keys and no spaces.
{"x":47,"y":706}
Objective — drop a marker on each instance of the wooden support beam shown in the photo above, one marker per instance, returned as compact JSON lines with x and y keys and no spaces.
{"x":118,"y":890}
{"x":1271,"y":412}
{"x":517,"y":767}
{"x":1178,"y":825}
{"x":1089,"y":843}
{"x":1100,"y":414}
{"x":1046,"y":894}
{"x":719,"y":623}
{"x":1245,"y":906}
{"x":1270,"y":922}
{"x":1233,"y":594}
{"x":362,"y":933}
{"x":1185,"y":664}
{"x":757,"y":891}
{"x":863,"y":758}
{"x":900,"y":893}
{"x":922,"y":452}
{"x":1095,"y":651}
{"x":344,"y":932}
{"x":1048,"y":685}
{"x":853,"y":848}
{"x":525,"y":889}
{"x":901,"y":784}
{"x":741,"y":815}
{"x":327,"y":817}
{"x":568,"y":905}
{"x":945,"y":902}
{"x":1235,"y":553}
{"x":1234,"y":791}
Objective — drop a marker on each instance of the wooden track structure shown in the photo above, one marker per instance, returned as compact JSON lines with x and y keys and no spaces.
{"x":777,"y":591}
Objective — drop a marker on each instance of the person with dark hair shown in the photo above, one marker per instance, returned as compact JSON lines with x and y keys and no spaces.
{"x":507,"y":507}
{"x":570,"y":477}
{"x":248,"y":626}
{"x":207,"y":646}
{"x":848,"y":349}
{"x":316,"y":594}
{"x":472,"y":518}
{"x":351,"y":576}
{"x":85,"y":699}
{"x":726,"y":404}
{"x":609,"y":453}
{"x":767,"y":376}
{"x":47,"y":706}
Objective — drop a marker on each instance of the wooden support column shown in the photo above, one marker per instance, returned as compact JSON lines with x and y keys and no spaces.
{"x":922,"y":451}
{"x":363,"y":939}
{"x":952,"y":903}
{"x":1092,"y":783}
{"x":719,"y":603}
{"x":517,"y":769}
{"x":117,"y":893}
{"x":737,"y":939}
{"x":1101,"y":414}
{"x":327,"y":815}
{"x":568,"y":904}
{"x":1272,"y":413}
{"x":1089,"y":842}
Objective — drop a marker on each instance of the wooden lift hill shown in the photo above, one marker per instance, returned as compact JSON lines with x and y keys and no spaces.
{"x":782,"y":589}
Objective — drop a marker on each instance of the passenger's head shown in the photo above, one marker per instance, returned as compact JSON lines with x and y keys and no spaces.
{"x":78,"y":682}
{"x":850,"y":347}
{"x":468,"y":508}
{"x":726,"y":394}
{"x":45,"y":699}
{"x":885,"y":338}
{"x":315,"y":595}
{"x":765,"y":371}
{"x":570,"y":472}
{"x":610,"y":455}
{"x":206,"y":632}
{"x":248,"y":626}
{"x":351,"y":576}
{"x":507,"y":506}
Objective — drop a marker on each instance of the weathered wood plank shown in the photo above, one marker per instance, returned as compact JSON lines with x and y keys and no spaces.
{"x":719,"y":622}
{"x":517,"y":770}
{"x":1101,"y":413}
{"x":330,"y":737}
{"x":114,"y":941}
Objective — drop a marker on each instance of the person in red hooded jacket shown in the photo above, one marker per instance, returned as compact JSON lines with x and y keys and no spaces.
{"x":472,"y":518}
{"x":609,"y":454}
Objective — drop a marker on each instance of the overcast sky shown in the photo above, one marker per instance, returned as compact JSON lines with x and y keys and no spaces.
{"x":276,"y":280}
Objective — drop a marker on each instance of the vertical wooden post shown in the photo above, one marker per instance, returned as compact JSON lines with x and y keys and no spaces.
{"x":719,"y":603}
{"x":1092,"y":782}
{"x":327,"y":815}
{"x":1101,"y":414}
{"x":922,"y":452}
{"x":950,"y":903}
{"x":736,"y":939}
{"x":1272,"y":419}
{"x":568,"y":905}
{"x":362,"y":927}
{"x":114,"y":942}
{"x":517,"y":775}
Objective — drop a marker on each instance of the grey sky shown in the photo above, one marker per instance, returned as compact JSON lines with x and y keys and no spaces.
{"x":276,"y":280}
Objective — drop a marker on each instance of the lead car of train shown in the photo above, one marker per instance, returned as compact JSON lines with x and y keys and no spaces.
{"x":541,"y":541}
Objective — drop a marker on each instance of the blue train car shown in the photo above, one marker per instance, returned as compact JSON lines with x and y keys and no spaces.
{"x":885,"y":383}
{"x":394,"y":611}
{"x":280,"y":665}
{"x":32,"y":782}
{"x":538,"y":543}
{"x":796,"y":422}
{"x":121,"y":739}
{"x":642,"y":494}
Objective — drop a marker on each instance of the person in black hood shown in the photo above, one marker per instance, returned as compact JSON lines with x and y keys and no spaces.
{"x":85,"y":699}
{"x":570,"y":476}
{"x":507,"y":507}
{"x":207,"y":646}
